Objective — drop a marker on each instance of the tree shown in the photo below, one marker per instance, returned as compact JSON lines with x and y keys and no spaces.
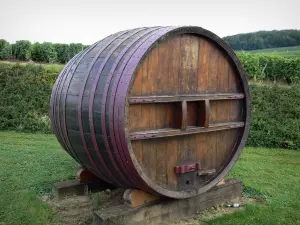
{"x":48,"y":53}
{"x":44,"y":52}
{"x":264,"y":39}
{"x":62,"y":51}
{"x":36,"y":52}
{"x":22,"y":50}
{"x":74,"y":49}
{"x":5,"y":50}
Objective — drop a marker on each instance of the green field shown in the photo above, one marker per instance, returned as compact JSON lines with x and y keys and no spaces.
{"x":56,"y":68}
{"x":31,"y":163}
{"x":288,"y":52}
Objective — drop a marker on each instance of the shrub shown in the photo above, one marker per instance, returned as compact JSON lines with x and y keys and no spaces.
{"x":22,"y":50}
{"x":275,"y":116}
{"x":24,"y":96}
{"x":274,"y":68}
{"x":252,"y":65}
{"x":5,"y":50}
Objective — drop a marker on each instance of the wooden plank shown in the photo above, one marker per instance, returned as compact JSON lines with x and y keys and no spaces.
{"x":189,"y":48}
{"x":179,"y":98}
{"x":174,"y":65}
{"x":222,"y":74}
{"x":137,"y":85}
{"x":202,"y":149}
{"x":203,"y":78}
{"x":213,"y":69}
{"x":153,"y":71}
{"x":163,"y":69}
{"x":149,"y":158}
{"x":145,"y":80}
{"x":161,"y":165}
{"x":177,"y":132}
{"x":212,"y":149}
{"x":172,"y":149}
{"x":135,"y":118}
{"x":236,"y":107}
{"x":137,"y":147}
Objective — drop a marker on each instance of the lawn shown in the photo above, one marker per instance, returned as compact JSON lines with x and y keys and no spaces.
{"x":288,"y":52}
{"x":31,"y":163}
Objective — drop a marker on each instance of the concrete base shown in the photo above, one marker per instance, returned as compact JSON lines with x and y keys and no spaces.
{"x":70,"y":188}
{"x":167,"y":210}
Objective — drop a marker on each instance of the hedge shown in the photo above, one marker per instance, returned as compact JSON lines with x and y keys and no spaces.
{"x":274,"y":68}
{"x":275,"y":116}
{"x":25,"y":95}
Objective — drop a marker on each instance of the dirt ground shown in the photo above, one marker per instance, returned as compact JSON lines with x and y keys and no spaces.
{"x":79,"y":209}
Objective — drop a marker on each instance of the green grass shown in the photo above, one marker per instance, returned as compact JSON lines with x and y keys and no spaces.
{"x":31,"y":163}
{"x":56,"y":68}
{"x":288,"y":52}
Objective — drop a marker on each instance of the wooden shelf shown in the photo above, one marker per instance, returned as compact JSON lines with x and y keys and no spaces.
{"x":169,"y":132}
{"x":178,"y":98}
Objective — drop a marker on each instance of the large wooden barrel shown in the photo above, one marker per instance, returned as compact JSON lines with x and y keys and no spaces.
{"x":162,"y":109}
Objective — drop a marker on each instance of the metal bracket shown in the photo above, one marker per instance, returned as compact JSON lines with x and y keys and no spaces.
{"x":187,"y":168}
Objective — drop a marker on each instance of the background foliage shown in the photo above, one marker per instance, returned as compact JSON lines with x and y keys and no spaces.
{"x":5,"y":50}
{"x":25,"y":95}
{"x":46,"y":52}
{"x":275,"y":116}
{"x":264,"y":39}
{"x":21,"y":50}
{"x":274,"y":68}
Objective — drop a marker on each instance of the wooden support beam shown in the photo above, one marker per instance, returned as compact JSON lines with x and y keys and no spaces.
{"x":204,"y":111}
{"x":184,"y":115}
{"x":190,"y":130}
{"x":136,"y":198}
{"x":180,"y":98}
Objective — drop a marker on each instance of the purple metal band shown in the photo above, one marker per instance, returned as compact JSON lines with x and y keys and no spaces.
{"x":104,"y":99}
{"x":79,"y":106}
{"x":53,"y":106}
{"x":76,"y":60}
{"x":125,"y":160}
{"x":60,"y":131}
{"x":114,"y":110}
{"x":119,"y":112}
{"x":125,"y":180}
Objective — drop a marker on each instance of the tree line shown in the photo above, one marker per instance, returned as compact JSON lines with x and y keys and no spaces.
{"x":264,"y":39}
{"x":47,"y":52}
